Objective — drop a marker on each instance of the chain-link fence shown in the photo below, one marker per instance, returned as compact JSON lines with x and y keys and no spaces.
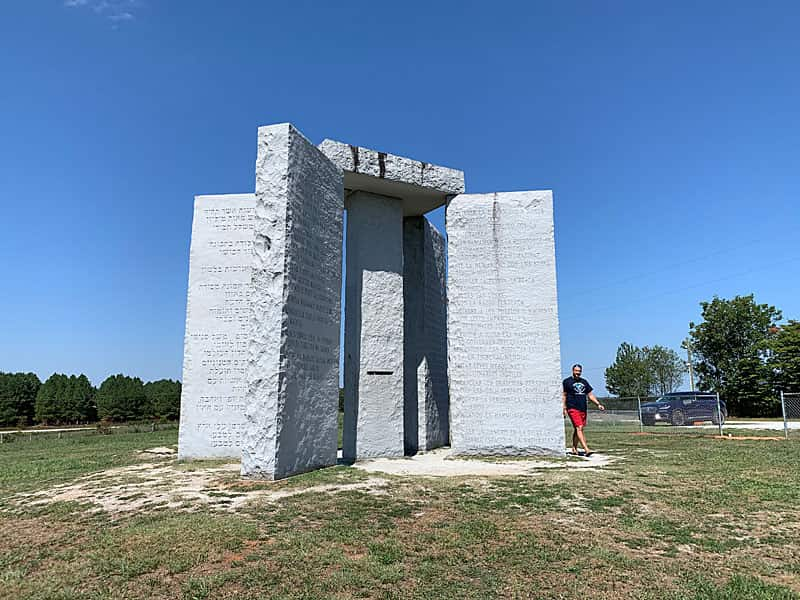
{"x":790,"y":407}
{"x":691,"y":412}
{"x":698,"y":413}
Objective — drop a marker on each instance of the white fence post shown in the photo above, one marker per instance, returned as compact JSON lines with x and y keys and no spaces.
{"x":719,"y":415}
{"x":639,"y":404}
{"x":785,"y":424}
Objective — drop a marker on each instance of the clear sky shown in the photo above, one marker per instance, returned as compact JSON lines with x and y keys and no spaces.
{"x":669,"y":132}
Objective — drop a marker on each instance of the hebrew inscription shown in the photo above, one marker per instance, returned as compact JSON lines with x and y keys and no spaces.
{"x":217,"y":316}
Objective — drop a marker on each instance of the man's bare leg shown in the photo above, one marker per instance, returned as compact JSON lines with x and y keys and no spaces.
{"x":581,"y":438}
{"x":574,"y":440}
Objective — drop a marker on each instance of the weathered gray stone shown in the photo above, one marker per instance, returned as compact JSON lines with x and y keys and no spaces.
{"x":425,"y":336}
{"x":217,"y":313}
{"x":421,"y":186}
{"x":503,"y":341}
{"x":292,"y":373}
{"x":373,"y":360}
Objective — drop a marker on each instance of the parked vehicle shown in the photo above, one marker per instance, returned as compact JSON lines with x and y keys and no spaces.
{"x":684,"y":408}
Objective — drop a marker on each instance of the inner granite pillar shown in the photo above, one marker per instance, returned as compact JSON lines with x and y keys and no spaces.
{"x":373,"y":359}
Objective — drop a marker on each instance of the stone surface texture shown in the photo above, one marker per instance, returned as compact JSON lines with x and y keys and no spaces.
{"x":217,"y":314}
{"x":293,"y":352}
{"x":503,"y":340}
{"x":425,"y":337}
{"x":373,"y":360}
{"x":394,"y":168}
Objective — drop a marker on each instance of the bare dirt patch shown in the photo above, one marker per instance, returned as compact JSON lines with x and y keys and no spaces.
{"x":152,"y":485}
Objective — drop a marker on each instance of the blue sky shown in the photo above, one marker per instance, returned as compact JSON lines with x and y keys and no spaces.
{"x":669,"y":133}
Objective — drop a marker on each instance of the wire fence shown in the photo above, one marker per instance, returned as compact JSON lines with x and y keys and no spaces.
{"x":696,"y":413}
{"x":790,"y":408}
{"x":29,"y":435}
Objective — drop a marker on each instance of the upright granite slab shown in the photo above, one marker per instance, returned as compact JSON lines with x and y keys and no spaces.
{"x":382,"y":189}
{"x":426,"y":415}
{"x":217,"y":314}
{"x":293,"y":367}
{"x":373,"y":360}
{"x":503,"y":340}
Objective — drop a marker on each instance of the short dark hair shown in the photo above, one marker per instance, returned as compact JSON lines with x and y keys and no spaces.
{"x":578,"y":365}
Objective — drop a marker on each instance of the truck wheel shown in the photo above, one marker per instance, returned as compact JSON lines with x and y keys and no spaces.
{"x":678,"y":418}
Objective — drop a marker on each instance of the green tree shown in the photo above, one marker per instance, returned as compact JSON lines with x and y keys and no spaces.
{"x":49,"y":408}
{"x":784,"y":360}
{"x":79,"y":406}
{"x":164,"y":398}
{"x":18,"y":397}
{"x":730,"y":353}
{"x":629,"y":375}
{"x":666,"y":368}
{"x":122,"y":398}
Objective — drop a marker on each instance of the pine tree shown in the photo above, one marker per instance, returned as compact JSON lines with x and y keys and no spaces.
{"x":164,"y":398}
{"x":122,"y":398}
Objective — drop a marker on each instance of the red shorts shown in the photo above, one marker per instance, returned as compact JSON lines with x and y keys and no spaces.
{"x":578,"y":417}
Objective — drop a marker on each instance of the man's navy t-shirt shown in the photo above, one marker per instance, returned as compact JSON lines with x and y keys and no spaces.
{"x":577,"y":390}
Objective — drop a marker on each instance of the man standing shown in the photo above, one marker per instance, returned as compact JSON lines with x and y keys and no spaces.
{"x":573,"y":397}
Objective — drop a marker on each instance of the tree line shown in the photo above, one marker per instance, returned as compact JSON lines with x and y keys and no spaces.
{"x":739,"y":350}
{"x":72,"y":399}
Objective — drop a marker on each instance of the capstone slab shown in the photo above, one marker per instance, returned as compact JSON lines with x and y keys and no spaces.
{"x":293,"y":352}
{"x":373,"y":360}
{"x":425,"y":337}
{"x":503,"y":339}
{"x":217,"y":314}
{"x":420,"y":186}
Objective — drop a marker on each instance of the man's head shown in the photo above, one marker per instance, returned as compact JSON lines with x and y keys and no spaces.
{"x":576,"y":371}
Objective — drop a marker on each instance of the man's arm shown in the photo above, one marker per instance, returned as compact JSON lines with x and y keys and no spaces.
{"x":596,"y":401}
{"x":564,"y":402}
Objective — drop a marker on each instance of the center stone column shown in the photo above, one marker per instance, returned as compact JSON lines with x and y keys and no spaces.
{"x":373,"y":360}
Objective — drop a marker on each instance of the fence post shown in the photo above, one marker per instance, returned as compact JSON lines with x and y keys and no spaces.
{"x":639,"y":404}
{"x":785,"y":424}
{"x":1,"y":437}
{"x":719,"y":415}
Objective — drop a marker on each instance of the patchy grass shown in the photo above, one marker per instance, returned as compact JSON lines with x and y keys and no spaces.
{"x":673,"y":517}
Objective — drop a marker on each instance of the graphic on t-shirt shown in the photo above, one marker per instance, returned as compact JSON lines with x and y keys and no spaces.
{"x":578,"y":387}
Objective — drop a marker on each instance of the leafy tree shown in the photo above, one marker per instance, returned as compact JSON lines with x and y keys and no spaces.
{"x":730,"y":351}
{"x":666,"y":367}
{"x":122,"y":398}
{"x":164,"y":398}
{"x":18,"y":397}
{"x":785,"y":357}
{"x":630,"y":374}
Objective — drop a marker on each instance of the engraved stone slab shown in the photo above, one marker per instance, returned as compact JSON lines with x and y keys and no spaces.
{"x":504,"y":357}
{"x":373,"y":360}
{"x":421,"y":186}
{"x":427,"y":422}
{"x":293,"y":367}
{"x":217,"y":313}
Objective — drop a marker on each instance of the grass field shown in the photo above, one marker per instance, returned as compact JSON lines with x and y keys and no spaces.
{"x":672,"y":516}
